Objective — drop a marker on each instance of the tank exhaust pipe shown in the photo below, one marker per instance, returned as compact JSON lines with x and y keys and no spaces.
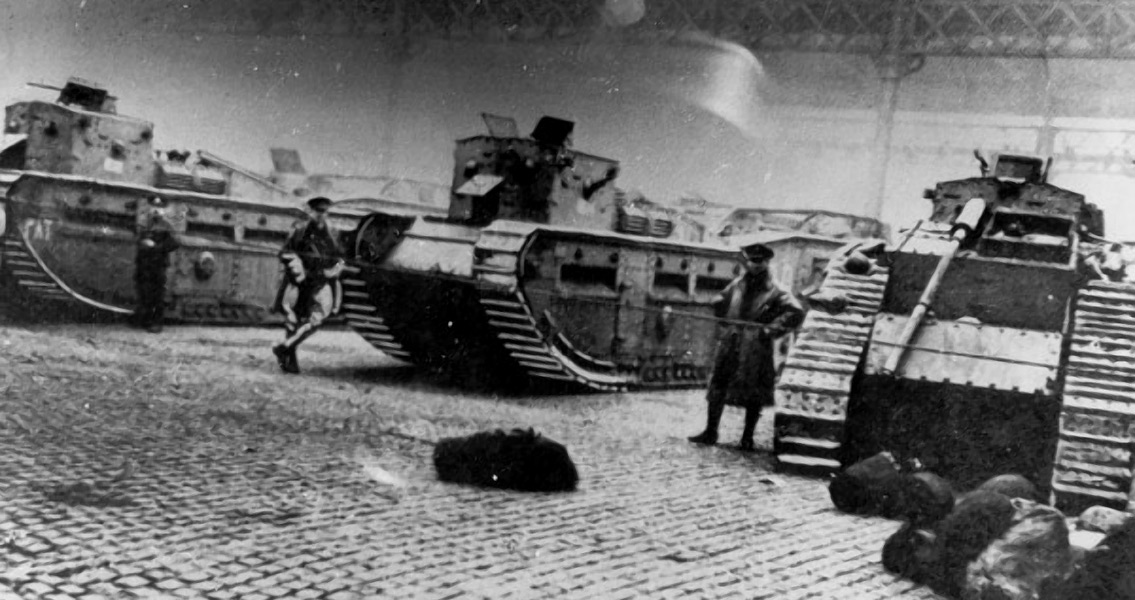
{"x":964,"y":227}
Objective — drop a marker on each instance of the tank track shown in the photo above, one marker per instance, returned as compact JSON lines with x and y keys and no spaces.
{"x":814,"y":388}
{"x":362,"y":316}
{"x":542,"y":358}
{"x":35,"y":279}
{"x":1097,"y":422}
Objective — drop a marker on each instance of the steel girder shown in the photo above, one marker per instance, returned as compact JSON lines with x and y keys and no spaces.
{"x":1019,"y":28}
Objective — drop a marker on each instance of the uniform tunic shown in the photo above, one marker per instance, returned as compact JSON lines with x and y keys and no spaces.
{"x":311,"y":299}
{"x":150,"y":266}
{"x":743,"y":371}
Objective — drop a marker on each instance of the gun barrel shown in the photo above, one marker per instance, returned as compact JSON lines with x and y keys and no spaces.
{"x":45,"y":86}
{"x":964,"y":226}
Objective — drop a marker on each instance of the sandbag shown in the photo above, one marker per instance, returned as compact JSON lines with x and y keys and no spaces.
{"x":1026,"y":562}
{"x":912,"y":552}
{"x":872,"y":486}
{"x":1013,"y":486}
{"x":1102,"y":519}
{"x":1107,"y":571}
{"x":927,"y":498}
{"x":519,"y":460}
{"x":977,"y":520}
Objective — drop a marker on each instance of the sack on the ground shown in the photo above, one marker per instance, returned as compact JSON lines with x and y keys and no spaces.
{"x":1106,"y":572}
{"x":912,"y":552}
{"x":520,"y":460}
{"x":1013,"y":486}
{"x":872,"y":486}
{"x":927,"y":499}
{"x":978,"y":519}
{"x":1026,"y":562}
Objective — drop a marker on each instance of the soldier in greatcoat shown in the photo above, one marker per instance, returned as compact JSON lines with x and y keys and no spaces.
{"x":753,"y":311}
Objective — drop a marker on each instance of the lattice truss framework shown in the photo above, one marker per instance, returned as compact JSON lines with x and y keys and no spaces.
{"x":979,"y":28}
{"x":1054,"y":28}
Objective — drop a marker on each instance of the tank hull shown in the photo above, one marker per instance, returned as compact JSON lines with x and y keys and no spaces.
{"x":558,"y":307}
{"x":69,"y":243}
{"x":972,"y":400}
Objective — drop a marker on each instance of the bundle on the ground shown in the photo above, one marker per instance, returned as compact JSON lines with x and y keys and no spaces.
{"x":872,"y":486}
{"x":1028,"y":561}
{"x":878,"y":485}
{"x":520,"y":460}
{"x":938,"y":553}
{"x":912,"y":552}
{"x":1012,"y":485}
{"x":1106,"y":572}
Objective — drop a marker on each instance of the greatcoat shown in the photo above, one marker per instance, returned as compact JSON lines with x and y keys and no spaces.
{"x":753,"y":312}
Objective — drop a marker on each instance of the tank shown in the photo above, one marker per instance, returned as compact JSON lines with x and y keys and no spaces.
{"x":78,"y":182}
{"x":805,"y":239}
{"x":543,"y":271}
{"x":976,"y":344}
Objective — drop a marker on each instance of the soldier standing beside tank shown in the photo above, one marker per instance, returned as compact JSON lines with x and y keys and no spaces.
{"x":754,"y":312}
{"x":309,"y":292}
{"x":156,"y":241}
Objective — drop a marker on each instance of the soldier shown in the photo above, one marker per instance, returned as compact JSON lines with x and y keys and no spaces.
{"x":1108,"y":264}
{"x":310,"y":290}
{"x":754,"y":312}
{"x":156,"y":241}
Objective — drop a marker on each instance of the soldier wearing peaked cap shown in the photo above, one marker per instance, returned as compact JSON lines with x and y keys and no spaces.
{"x":156,"y":240}
{"x":310,"y":291}
{"x":753,"y":311}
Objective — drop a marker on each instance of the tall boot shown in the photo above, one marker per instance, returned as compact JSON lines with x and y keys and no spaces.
{"x":712,"y":420}
{"x":156,"y":318}
{"x":752,"y":415}
{"x":286,"y":352}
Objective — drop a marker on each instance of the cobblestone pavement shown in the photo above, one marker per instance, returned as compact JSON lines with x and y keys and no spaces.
{"x":183,"y":465}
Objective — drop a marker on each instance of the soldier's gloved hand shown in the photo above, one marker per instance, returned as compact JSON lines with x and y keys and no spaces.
{"x":334,"y":271}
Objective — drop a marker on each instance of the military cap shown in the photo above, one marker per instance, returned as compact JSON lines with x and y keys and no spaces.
{"x":757,"y":251}
{"x":319,"y":203}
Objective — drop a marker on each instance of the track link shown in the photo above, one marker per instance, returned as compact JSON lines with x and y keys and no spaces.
{"x":814,"y":388}
{"x":1097,"y":421}
{"x":362,"y":316}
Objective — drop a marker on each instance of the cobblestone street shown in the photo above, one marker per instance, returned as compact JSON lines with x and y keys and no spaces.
{"x":184,"y":465}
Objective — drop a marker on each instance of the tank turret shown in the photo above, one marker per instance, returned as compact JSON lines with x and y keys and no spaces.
{"x":537,"y":179}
